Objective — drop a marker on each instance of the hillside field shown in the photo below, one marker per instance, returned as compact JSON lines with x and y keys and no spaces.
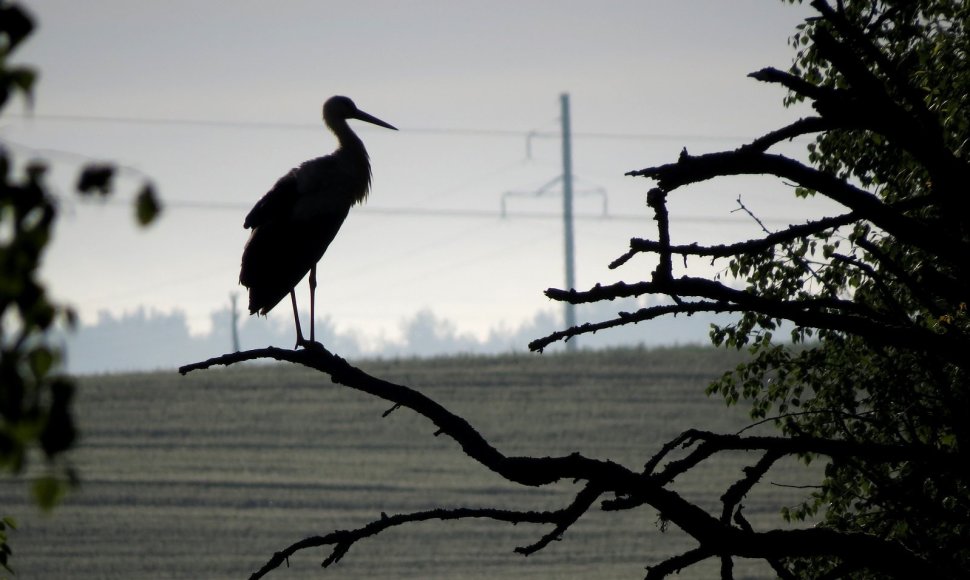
{"x":205,"y":476}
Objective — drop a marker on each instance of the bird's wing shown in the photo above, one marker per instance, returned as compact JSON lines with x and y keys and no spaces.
{"x":293,"y":224}
{"x":290,"y":192}
{"x":279,"y":254}
{"x":276,"y":203}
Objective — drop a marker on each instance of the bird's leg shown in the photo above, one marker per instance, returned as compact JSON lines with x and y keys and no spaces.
{"x":313,"y":293}
{"x":296,"y":317}
{"x":300,"y":341}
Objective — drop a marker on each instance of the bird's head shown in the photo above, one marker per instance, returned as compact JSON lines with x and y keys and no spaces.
{"x":342,"y":108}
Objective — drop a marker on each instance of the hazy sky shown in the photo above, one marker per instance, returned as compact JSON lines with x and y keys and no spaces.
{"x":466,"y":82}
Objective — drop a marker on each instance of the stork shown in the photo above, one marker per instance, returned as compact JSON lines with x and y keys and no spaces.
{"x":294,"y":223}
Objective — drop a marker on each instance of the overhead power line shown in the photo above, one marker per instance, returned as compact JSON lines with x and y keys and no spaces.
{"x":439,"y":212}
{"x":461,"y":131}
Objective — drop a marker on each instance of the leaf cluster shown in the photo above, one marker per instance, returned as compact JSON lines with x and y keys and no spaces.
{"x":6,"y":524}
{"x":874,"y":299}
{"x":35,"y":399}
{"x":35,"y":396}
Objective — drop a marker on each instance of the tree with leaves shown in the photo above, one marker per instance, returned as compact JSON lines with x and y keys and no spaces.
{"x":877,"y":295}
{"x":873,"y":383}
{"x":35,"y":396}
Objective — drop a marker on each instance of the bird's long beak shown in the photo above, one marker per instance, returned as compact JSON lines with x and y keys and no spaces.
{"x":360,"y":115}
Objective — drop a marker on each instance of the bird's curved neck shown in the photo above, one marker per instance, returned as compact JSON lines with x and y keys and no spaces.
{"x":352,"y":150}
{"x":346,"y":136}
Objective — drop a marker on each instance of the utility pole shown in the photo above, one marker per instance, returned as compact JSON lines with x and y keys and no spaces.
{"x":567,"y":213}
{"x":233,"y":296}
{"x":567,"y":205}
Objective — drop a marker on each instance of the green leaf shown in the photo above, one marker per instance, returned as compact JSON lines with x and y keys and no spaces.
{"x":40,"y":359}
{"x":16,"y":24}
{"x":10,"y":521}
{"x":95,"y":178}
{"x":59,"y":431}
{"x":147,"y":206}
{"x":48,"y":491}
{"x":23,"y":78}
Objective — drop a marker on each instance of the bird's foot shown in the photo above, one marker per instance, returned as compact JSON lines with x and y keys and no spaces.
{"x":309,"y":344}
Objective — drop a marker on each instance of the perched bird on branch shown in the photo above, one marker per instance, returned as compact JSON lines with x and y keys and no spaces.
{"x":294,"y":223}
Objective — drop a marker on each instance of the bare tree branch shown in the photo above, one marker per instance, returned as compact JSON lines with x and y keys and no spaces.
{"x":793,"y":83}
{"x":677,"y":563}
{"x":797,"y":129}
{"x":657,"y":200}
{"x":624,"y":318}
{"x":752,"y":475}
{"x":693,"y":169}
{"x":789,"y":234}
{"x":524,"y":470}
{"x":714,"y":535}
{"x":565,"y":518}
{"x":823,"y":312}
{"x":342,"y":540}
{"x":775,"y":563}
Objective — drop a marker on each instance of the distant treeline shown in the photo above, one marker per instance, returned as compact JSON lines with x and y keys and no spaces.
{"x":149,"y":340}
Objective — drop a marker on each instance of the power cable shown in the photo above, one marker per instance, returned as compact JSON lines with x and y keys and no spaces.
{"x":465,"y":131}
{"x":372,"y":210}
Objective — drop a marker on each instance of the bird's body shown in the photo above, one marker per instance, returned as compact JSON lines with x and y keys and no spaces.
{"x":293,"y":225}
{"x":295,"y":222}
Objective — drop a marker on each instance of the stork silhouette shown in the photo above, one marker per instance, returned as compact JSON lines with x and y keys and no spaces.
{"x":294,"y":223}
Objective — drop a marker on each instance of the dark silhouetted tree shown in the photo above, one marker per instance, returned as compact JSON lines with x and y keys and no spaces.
{"x":877,"y":294}
{"x":873,"y":383}
{"x":35,"y":396}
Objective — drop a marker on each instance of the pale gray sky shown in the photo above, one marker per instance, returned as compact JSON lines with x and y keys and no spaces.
{"x":671,"y":72}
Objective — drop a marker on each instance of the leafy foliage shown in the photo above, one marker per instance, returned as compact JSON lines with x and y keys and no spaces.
{"x":917,"y":54}
{"x":35,"y":396}
{"x":877,"y":296}
{"x":6,"y":524}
